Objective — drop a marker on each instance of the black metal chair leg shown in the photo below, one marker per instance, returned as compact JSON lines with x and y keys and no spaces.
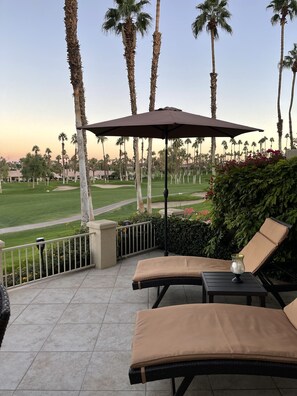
{"x":173,"y":386}
{"x":184,"y":386}
{"x":160,"y":296}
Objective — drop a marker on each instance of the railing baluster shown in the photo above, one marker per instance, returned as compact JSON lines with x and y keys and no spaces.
{"x":22,"y":264}
{"x":135,"y":238}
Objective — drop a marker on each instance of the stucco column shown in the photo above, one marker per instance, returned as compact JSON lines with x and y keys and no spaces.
{"x":2,"y":245}
{"x":103,"y":243}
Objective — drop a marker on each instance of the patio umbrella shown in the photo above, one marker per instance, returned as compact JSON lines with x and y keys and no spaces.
{"x":168,"y":123}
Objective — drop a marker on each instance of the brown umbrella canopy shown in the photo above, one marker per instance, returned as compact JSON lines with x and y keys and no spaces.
{"x":168,"y":123}
{"x":171,"y":122}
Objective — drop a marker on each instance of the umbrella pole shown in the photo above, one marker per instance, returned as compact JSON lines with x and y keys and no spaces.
{"x":166,"y":195}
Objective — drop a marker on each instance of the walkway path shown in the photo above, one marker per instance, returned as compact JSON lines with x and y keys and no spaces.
{"x":97,"y":212}
{"x":70,"y":219}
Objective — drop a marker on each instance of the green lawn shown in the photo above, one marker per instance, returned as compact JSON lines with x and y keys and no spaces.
{"x":20,"y":204}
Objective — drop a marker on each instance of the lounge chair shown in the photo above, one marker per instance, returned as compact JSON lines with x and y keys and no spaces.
{"x":202,"y":339}
{"x":186,"y":270}
{"x":4,"y":312}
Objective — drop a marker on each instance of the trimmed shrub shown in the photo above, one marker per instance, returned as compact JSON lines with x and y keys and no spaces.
{"x":191,"y":237}
{"x":245,"y":194}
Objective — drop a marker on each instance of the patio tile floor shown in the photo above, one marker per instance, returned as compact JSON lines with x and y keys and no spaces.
{"x":71,"y":336}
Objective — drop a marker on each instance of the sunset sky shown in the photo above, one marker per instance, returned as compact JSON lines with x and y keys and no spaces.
{"x":36,"y":95}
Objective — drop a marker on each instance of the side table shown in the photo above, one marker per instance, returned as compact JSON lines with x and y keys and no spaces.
{"x":220,"y":284}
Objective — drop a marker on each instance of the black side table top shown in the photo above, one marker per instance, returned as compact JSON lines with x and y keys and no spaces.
{"x":220,"y":283}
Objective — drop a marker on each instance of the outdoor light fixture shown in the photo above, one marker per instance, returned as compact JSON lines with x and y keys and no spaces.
{"x":40,"y":244}
{"x":237,"y":267}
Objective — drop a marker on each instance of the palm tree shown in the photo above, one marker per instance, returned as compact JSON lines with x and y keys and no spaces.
{"x":195,"y":146}
{"x":233,"y":143}
{"x":239,"y":144}
{"x":153,"y":87}
{"x":62,"y":137}
{"x":254,"y":144}
{"x":48,"y":152}
{"x":287,"y":137}
{"x":213,"y":14}
{"x":188,"y":141}
{"x":290,"y":61}
{"x":271,"y":141}
{"x":225,"y":147}
{"x":76,"y":79}
{"x":120,"y":142}
{"x":128,"y":19}
{"x":73,"y":160}
{"x":101,"y":139}
{"x":245,"y":147}
{"x":281,"y":9}
{"x":261,"y":142}
{"x":125,"y":168}
{"x":35,"y":149}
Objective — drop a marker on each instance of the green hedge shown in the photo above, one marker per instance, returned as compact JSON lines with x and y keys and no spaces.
{"x":245,"y":194}
{"x":191,"y":238}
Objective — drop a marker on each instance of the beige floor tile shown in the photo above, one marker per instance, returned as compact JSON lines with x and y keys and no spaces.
{"x":99,"y":281}
{"x":72,"y":337}
{"x":91,"y":295}
{"x":13,"y":366}
{"x":84,"y":313}
{"x":41,"y":314}
{"x":115,"y":337}
{"x":25,"y":337}
{"x":56,"y":371}
{"x":54,"y":296}
{"x":109,"y":371}
{"x":122,"y":313}
{"x":21,"y":295}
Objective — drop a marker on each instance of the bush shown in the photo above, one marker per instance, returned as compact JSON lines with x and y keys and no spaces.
{"x":245,"y":194}
{"x":191,"y":237}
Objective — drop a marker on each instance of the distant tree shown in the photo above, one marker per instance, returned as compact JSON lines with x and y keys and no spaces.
{"x":290,"y":62}
{"x":120,"y":142}
{"x":62,"y":137}
{"x":102,"y":139}
{"x":225,"y":147}
{"x":254,"y":144}
{"x":35,"y":149}
{"x":33,"y":167}
{"x":282,"y":9}
{"x":4,"y":170}
{"x":47,"y":156}
{"x":93,"y":166}
{"x":213,"y":14}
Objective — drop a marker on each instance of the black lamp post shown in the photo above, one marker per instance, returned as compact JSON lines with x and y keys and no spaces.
{"x":40,"y":246}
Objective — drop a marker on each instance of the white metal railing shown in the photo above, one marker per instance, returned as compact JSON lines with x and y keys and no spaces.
{"x":34,"y":261}
{"x":135,"y":238}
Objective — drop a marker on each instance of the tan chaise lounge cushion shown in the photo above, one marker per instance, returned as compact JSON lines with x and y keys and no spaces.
{"x":256,"y":252}
{"x":177,"y":266}
{"x":213,"y":331}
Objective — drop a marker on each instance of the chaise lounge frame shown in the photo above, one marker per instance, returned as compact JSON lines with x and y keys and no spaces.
{"x":213,"y":339}
{"x":189,"y":370}
{"x":163,"y":283}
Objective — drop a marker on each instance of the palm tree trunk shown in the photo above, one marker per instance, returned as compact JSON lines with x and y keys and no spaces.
{"x":129,"y":41}
{"x":154,"y":69}
{"x":213,"y":91}
{"x":290,"y":111}
{"x":279,"y":114}
{"x":76,"y":78}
